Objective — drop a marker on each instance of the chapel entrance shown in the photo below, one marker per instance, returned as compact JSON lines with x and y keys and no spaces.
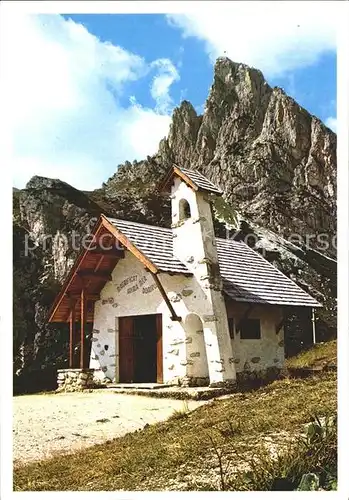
{"x":140,"y":349}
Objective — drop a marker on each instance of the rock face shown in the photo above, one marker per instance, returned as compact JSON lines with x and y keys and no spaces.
{"x":48,"y":214}
{"x":275,"y":162}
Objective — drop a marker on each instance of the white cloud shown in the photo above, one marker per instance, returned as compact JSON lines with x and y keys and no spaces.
{"x":63,"y":89}
{"x":276,"y":37}
{"x":142,"y":129}
{"x":331,"y":122}
{"x":162,"y":83}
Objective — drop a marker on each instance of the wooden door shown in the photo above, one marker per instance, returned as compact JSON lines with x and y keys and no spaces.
{"x":159,"y":369}
{"x":126,"y":349}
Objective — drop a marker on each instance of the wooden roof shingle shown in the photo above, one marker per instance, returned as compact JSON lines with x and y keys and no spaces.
{"x":248,"y":277}
{"x":154,"y":242}
{"x":201,"y":181}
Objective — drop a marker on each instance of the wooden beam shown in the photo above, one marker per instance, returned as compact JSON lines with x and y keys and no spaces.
{"x":164,"y":185}
{"x":113,"y":252}
{"x":281,"y":323}
{"x":89,"y":274}
{"x":71,"y":335}
{"x":72,"y":318}
{"x":174,"y":316}
{"x":82,"y":326}
{"x":89,"y":296}
{"x":279,"y":326}
{"x":72,"y":274}
{"x":185,"y":178}
{"x":313,"y":321}
{"x":127,"y":243}
{"x":99,"y":263}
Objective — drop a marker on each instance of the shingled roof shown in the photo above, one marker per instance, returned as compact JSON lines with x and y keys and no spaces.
{"x":201,"y":181}
{"x":154,"y":242}
{"x":247,"y":276}
{"x":192,"y":177}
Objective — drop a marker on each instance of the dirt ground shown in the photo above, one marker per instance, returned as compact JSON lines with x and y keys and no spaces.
{"x":47,"y":424}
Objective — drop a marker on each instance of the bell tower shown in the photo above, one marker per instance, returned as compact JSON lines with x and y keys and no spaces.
{"x":194,"y":244}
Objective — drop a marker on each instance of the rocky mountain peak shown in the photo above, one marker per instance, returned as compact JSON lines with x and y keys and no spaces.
{"x":183,"y":132}
{"x":39,"y":182}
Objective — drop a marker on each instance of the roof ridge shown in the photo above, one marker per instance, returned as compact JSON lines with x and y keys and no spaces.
{"x":194,"y":178}
{"x":137,"y":223}
{"x":194,"y":170}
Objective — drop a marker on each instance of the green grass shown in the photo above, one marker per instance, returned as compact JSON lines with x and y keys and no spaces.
{"x":151,"y":458}
{"x":315,"y":453}
{"x":316,"y":356}
{"x":180,"y":413}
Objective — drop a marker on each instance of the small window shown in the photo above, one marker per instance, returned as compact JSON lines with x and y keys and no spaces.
{"x":250,"y":329}
{"x":184,"y":210}
{"x":231,"y":327}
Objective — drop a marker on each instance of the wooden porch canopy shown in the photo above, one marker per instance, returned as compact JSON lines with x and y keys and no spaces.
{"x":92,"y":270}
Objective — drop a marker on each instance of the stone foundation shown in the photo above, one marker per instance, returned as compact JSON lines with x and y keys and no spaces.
{"x":201,"y":382}
{"x":244,"y":378}
{"x":194,"y":381}
{"x":250,"y":379}
{"x":75,"y":379}
{"x":224,"y":384}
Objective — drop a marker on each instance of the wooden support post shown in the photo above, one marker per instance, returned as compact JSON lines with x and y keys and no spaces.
{"x":313,"y":323}
{"x":82,"y":326}
{"x":174,"y":316}
{"x":71,"y":335}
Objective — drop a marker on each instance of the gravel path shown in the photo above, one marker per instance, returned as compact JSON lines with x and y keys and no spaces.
{"x":47,"y":424}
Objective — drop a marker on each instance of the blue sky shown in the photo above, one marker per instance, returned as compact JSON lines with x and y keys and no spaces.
{"x":135,"y":33}
{"x":91,"y":91}
{"x":314,"y":86}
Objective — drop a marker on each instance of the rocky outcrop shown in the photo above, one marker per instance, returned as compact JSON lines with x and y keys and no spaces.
{"x":50,"y":217}
{"x":275,"y":162}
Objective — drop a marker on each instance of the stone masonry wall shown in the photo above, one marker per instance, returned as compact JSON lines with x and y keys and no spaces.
{"x":75,"y":379}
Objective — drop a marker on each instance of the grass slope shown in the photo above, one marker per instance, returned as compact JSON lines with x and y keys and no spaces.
{"x":320,"y":355}
{"x":181,"y":453}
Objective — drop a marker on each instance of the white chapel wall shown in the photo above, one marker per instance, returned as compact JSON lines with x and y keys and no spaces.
{"x":258,"y":354}
{"x":132,"y":292}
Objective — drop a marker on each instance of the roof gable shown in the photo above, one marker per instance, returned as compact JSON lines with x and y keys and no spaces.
{"x":196,"y":180}
{"x":95,"y":263}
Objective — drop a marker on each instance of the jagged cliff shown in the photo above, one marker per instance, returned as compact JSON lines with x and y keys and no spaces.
{"x":275,"y":162}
